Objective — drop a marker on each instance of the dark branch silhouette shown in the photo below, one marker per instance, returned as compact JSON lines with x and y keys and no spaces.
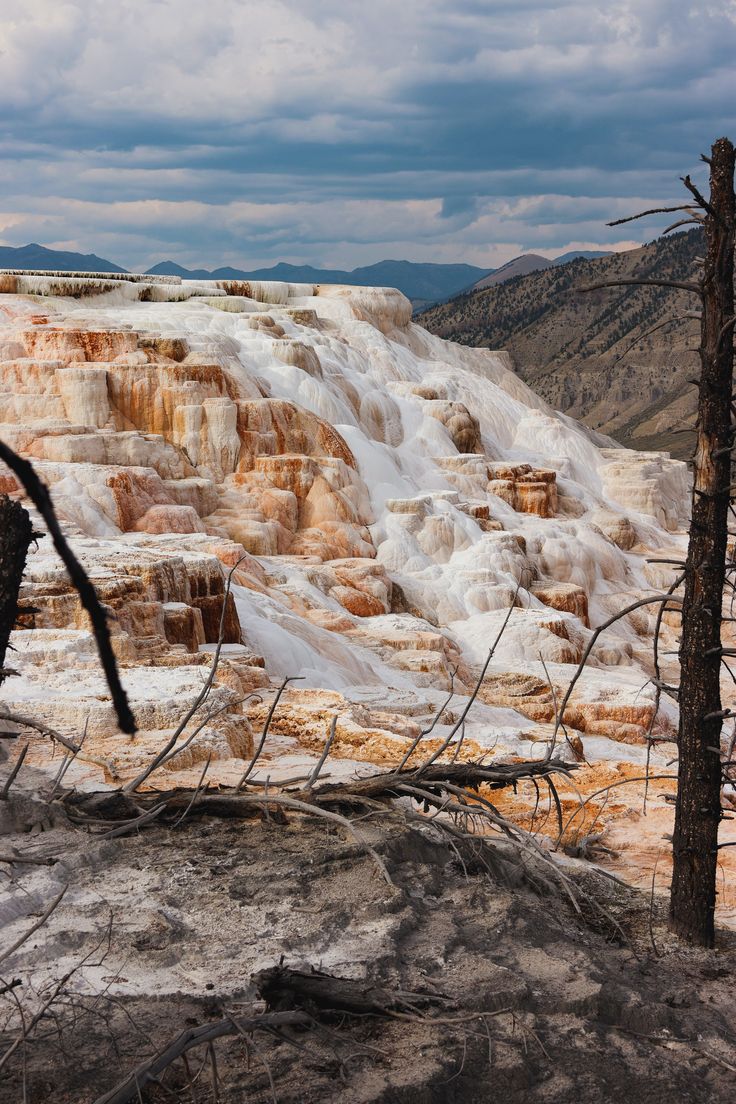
{"x":694,"y":288}
{"x":41,"y":499}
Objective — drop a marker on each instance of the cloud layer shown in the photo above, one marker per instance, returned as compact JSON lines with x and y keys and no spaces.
{"x":242,"y":133}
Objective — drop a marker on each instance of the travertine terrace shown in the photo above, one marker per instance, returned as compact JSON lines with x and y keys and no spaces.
{"x":386,"y":496}
{"x":383,"y":501}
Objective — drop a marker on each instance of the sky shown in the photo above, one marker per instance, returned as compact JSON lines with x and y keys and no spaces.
{"x":342,"y":133}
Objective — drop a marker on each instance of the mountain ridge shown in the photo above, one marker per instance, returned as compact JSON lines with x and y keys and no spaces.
{"x":618,"y":360}
{"x":527,"y":263}
{"x":421,"y":282}
{"x":34,"y":255}
{"x":424,"y":283}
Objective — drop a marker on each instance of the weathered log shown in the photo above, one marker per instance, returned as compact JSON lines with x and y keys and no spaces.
{"x":284,"y":989}
{"x":468,"y":775}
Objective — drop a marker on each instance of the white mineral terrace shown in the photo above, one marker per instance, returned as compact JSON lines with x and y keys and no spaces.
{"x":389,"y":496}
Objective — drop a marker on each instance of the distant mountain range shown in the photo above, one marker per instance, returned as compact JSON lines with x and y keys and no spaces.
{"x":620,"y":360}
{"x":38,"y":256}
{"x":423,"y":283}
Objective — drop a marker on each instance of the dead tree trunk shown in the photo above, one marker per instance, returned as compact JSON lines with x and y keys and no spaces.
{"x":698,"y":811}
{"x":16,"y":534}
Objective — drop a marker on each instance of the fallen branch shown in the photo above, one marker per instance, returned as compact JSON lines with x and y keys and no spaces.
{"x":13,"y":774}
{"x":294,"y":998}
{"x":75,"y":750}
{"x":450,"y":787}
{"x":40,"y":726}
{"x":39,"y":924}
{"x":468,"y":775}
{"x":29,"y":860}
{"x":148,"y":1073}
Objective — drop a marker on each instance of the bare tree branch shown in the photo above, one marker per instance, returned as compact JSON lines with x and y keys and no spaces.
{"x":652,"y":211}
{"x":39,"y":924}
{"x":251,"y":766}
{"x":41,"y":499}
{"x":40,"y":726}
{"x":700,"y":199}
{"x":164,"y":754}
{"x":13,"y":774}
{"x":696,"y":220}
{"x":591,"y":644}
{"x":695,"y":289}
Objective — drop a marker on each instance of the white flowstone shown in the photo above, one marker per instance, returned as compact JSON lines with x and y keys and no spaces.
{"x":318,"y":428}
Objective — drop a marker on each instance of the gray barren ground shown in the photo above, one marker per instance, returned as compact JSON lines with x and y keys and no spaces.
{"x":533,"y":1001}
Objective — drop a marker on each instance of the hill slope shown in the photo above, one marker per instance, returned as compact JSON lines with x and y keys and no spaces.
{"x":587,"y":254}
{"x":617,"y":359}
{"x":382,"y":504}
{"x":519,"y":266}
{"x":38,"y":256}
{"x":530,"y":262}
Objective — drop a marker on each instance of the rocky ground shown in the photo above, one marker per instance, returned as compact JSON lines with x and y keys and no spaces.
{"x":547,"y":991}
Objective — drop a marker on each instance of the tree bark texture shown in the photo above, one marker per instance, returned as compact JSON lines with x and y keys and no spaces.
{"x":16,"y":534}
{"x":698,"y":809}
